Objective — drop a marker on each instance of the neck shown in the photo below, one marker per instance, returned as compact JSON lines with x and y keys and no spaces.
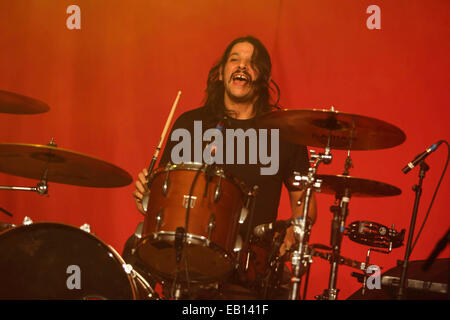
{"x":240,"y":110}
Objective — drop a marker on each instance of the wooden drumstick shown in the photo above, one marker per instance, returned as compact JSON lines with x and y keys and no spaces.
{"x":158,"y":149}
{"x":166,"y":127}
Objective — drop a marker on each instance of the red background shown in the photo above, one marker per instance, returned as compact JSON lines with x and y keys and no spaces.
{"x":111,"y":84}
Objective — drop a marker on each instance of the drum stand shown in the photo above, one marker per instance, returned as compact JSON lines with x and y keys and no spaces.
{"x":340,"y":214}
{"x":299,"y":256}
{"x":337,"y":230}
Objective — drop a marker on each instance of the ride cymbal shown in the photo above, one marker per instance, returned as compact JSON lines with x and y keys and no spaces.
{"x":342,"y":131}
{"x":60,"y":165}
{"x":18,"y":104}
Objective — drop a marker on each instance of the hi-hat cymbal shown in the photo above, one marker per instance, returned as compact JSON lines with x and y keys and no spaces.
{"x":358,"y":187}
{"x":17,"y":104}
{"x":64,"y":166}
{"x":344,"y":131}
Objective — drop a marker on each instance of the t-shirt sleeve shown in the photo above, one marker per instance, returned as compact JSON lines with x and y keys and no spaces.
{"x":298,"y":162}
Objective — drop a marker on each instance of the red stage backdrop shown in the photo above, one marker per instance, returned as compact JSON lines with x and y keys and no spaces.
{"x":110,"y":85}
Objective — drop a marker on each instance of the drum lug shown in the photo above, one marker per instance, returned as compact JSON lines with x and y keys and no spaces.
{"x":243,"y":216}
{"x":238,"y":244}
{"x":218,"y":190}
{"x":159,"y":219}
{"x":165,"y":186}
{"x":86,"y":228}
{"x":27,"y":221}
{"x":211,"y":225}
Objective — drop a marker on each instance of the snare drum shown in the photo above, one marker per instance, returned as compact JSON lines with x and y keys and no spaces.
{"x":206,"y":203}
{"x":58,"y":261}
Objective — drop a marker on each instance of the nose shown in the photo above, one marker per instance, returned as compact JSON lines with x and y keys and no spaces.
{"x":243,"y":65}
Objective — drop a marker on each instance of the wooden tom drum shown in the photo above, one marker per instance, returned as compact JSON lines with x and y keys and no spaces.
{"x":191,"y":231}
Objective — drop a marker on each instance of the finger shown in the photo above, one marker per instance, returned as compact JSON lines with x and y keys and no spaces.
{"x":137,"y":195}
{"x":142,"y":178}
{"x":145,"y":171}
{"x":140,"y":187}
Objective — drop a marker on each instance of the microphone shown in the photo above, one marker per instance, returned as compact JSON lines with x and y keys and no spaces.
{"x":420,"y":157}
{"x":275,"y":226}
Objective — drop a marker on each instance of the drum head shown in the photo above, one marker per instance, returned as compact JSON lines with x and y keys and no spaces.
{"x":57,"y":261}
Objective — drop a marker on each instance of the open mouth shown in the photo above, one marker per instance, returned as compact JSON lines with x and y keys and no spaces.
{"x":240,"y":78}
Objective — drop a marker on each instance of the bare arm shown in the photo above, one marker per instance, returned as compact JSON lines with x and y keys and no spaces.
{"x":297,"y":211}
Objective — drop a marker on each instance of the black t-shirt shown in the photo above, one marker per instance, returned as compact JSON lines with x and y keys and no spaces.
{"x":291,"y":158}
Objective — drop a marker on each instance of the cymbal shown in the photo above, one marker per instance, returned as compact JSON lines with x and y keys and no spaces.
{"x":344,"y":130}
{"x":64,"y":166}
{"x":17,"y":104}
{"x":358,"y":187}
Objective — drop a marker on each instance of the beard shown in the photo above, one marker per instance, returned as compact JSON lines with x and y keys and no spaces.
{"x":249,"y":97}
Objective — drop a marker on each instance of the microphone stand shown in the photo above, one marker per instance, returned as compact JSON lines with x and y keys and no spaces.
{"x":418,"y":191}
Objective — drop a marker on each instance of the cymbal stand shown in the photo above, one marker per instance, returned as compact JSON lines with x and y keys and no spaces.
{"x":348,"y":164}
{"x":41,"y":188}
{"x":337,"y":230}
{"x":299,"y":256}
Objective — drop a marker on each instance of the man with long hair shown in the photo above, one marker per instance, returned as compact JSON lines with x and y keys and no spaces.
{"x":239,"y":88}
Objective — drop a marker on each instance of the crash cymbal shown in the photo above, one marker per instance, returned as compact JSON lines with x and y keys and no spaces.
{"x":358,"y":187}
{"x":17,"y":104}
{"x":344,"y":131}
{"x":64,"y":166}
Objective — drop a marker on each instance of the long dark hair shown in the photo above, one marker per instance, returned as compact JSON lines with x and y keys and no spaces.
{"x":215,"y":89}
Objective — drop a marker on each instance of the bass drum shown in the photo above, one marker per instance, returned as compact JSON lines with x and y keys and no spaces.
{"x":58,"y":261}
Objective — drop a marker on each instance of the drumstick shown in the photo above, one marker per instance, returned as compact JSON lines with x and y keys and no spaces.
{"x":166,"y":127}
{"x":163,"y":135}
{"x":158,"y":148}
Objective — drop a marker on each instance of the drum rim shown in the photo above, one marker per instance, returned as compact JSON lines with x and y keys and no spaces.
{"x":171,"y":235}
{"x":195,"y":166}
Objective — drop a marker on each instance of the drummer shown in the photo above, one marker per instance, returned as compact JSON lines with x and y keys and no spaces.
{"x":238,"y":91}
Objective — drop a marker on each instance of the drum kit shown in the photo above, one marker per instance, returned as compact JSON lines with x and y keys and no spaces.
{"x":190,"y":238}
{"x":36,"y":259}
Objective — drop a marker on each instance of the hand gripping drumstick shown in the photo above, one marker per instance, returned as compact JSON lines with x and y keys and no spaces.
{"x":158,"y":149}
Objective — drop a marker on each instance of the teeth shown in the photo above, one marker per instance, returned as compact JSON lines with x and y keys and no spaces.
{"x":240,"y":77}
